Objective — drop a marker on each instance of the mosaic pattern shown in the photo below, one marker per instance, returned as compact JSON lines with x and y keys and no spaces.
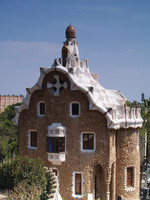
{"x":70,"y":32}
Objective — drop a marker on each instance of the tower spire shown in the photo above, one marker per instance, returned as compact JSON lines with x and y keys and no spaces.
{"x":70,"y":32}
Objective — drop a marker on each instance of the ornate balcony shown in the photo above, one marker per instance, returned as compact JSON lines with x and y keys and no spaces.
{"x":56,"y":158}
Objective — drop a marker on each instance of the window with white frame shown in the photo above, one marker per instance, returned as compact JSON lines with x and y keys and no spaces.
{"x":88,"y":142}
{"x":32,"y":139}
{"x":77,"y":184}
{"x":130,"y":176}
{"x":75,"y":109}
{"x":41,"y":109}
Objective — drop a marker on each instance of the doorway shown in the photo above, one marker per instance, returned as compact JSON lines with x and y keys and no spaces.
{"x":99,"y":183}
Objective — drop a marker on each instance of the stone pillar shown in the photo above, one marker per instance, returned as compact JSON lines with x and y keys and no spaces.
{"x":108,"y":191}
{"x":114,"y":181}
{"x":107,"y":175}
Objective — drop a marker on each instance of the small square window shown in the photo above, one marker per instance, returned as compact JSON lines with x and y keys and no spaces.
{"x":75,"y":109}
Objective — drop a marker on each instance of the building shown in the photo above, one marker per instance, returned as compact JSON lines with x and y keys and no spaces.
{"x":6,"y":100}
{"x":82,"y":131}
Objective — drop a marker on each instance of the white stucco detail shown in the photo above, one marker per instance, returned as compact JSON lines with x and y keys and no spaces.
{"x":56,"y":130}
{"x":57,"y":85}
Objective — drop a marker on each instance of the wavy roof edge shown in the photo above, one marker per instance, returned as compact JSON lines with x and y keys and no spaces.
{"x":111,"y":103}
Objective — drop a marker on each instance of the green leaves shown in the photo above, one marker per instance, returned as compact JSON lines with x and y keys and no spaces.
{"x":18,"y":169}
{"x":8,"y":133}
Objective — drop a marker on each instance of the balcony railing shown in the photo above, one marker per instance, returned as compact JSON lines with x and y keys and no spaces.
{"x":56,"y":158}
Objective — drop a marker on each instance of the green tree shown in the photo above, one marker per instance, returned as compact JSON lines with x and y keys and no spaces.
{"x":8,"y":133}
{"x":24,"y":175}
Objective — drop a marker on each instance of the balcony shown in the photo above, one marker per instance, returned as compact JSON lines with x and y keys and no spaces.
{"x":56,"y":158}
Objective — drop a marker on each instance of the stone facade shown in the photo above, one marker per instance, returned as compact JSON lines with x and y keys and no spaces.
{"x":111,"y":163}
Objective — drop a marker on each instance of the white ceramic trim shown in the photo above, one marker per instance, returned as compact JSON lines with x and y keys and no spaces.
{"x":127,"y":188}
{"x":115,"y":119}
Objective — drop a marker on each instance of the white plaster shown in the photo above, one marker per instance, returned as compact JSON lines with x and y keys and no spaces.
{"x":58,"y":85}
{"x":56,"y":158}
{"x":90,"y":197}
{"x":56,"y":130}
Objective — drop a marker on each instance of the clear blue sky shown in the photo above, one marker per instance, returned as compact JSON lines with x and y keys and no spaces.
{"x":114,"y":35}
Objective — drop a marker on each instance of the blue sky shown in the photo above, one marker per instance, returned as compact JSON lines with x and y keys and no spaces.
{"x":114,"y":35}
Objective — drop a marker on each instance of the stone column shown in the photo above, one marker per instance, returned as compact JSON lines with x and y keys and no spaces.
{"x":108,"y":191}
{"x":107,"y":175}
{"x":114,"y":181}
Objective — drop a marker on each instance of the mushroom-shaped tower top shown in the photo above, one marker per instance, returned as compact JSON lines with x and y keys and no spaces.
{"x":70,"y":32}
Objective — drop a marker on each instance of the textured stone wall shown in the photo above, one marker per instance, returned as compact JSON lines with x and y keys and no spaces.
{"x":127,"y":156}
{"x":58,"y":111}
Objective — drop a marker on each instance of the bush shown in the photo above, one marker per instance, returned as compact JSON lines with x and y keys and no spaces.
{"x":25,"y":191}
{"x":16,"y":170}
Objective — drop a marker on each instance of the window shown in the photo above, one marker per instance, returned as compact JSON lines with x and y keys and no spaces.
{"x":88,"y":142}
{"x":55,"y":144}
{"x":41,"y":109}
{"x":56,"y":139}
{"x":130,"y":177}
{"x":32,"y":139}
{"x":75,"y":109}
{"x":77,"y":184}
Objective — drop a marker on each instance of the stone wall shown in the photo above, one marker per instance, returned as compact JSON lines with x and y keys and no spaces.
{"x":127,"y":156}
{"x":58,"y":111}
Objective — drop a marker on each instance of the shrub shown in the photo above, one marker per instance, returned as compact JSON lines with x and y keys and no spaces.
{"x":25,"y":191}
{"x":16,"y":170}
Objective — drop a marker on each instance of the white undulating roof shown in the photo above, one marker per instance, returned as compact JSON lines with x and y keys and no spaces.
{"x":109,"y":102}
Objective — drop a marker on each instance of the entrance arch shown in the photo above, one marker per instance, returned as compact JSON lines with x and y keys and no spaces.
{"x":99,"y":183}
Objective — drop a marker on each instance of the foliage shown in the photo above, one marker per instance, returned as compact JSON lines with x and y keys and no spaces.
{"x":16,"y":170}
{"x":145,"y":113}
{"x":8,"y":133}
{"x":25,"y":191}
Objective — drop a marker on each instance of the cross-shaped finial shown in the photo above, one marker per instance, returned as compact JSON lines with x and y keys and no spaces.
{"x":57,"y":85}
